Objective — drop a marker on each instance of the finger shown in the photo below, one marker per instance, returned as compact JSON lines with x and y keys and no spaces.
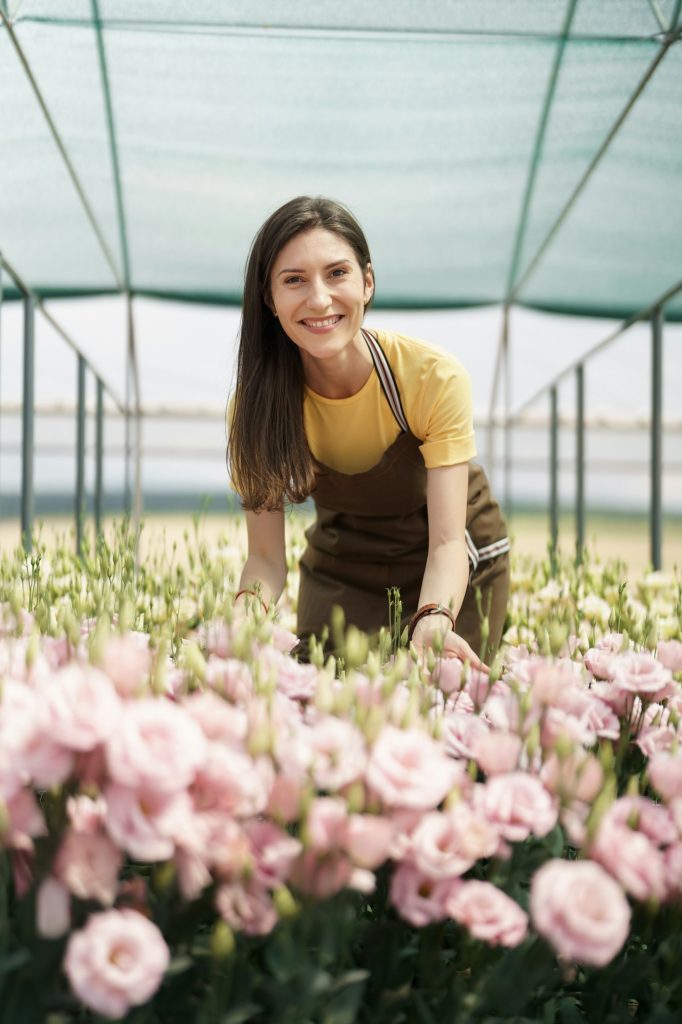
{"x":462,"y":650}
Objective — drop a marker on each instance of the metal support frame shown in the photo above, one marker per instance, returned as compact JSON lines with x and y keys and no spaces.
{"x":99,"y":456}
{"x":80,"y":455}
{"x":507,"y":419}
{"x":579,"y":462}
{"x":656,"y":436}
{"x":27,"y":436}
{"x":553,"y":477}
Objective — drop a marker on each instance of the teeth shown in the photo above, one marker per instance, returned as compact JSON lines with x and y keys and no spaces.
{"x":322,"y":323}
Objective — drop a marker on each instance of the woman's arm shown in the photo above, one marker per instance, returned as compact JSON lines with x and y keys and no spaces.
{"x":447,"y":566}
{"x":266,"y":564}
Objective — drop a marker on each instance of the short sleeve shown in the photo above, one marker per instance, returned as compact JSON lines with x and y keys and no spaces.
{"x":444,"y":413}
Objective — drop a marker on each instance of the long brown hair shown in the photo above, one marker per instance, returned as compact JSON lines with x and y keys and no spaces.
{"x":267,"y":450}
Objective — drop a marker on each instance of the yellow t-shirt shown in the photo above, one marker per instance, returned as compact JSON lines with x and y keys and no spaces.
{"x":351,"y":434}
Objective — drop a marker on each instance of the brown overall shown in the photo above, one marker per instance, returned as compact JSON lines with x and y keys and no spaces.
{"x":371,"y":533}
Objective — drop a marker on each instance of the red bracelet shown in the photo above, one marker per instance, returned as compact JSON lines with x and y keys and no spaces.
{"x":429,"y":609}
{"x":253,"y":594}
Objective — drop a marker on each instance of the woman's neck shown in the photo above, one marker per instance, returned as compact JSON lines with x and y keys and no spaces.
{"x":341,"y":376}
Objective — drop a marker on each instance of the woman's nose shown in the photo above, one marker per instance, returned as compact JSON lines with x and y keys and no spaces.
{"x":319,"y":296}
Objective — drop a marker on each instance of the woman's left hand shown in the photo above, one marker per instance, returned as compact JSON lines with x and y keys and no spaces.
{"x":453,"y":645}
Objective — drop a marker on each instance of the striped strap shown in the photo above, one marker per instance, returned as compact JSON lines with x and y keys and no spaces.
{"x":386,"y":379}
{"x":390,"y":389}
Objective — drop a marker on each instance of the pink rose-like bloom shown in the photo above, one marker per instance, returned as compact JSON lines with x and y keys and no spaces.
{"x":627,"y":844}
{"x":53,"y":909}
{"x":283,"y":639}
{"x":447,"y":675}
{"x":368,"y":839}
{"x":284,"y":801}
{"x":338,"y":753}
{"x":274,"y":851}
{"x":246,"y":908}
{"x":81,"y":706}
{"x":325,"y":824}
{"x":580,"y":910}
{"x":321,"y":875}
{"x":86,"y":814}
{"x":294,"y":679}
{"x":601,"y":662}
{"x":419,"y":900}
{"x":26,"y":821}
{"x":488,"y":913}
{"x":218,"y":719}
{"x":157,"y":746}
{"x":462,"y":733}
{"x":577,"y":777}
{"x":27,"y":752}
{"x":231,"y":678}
{"x":127,"y":661}
{"x":445,"y":845}
{"x":498,"y":752}
{"x":640,"y":673}
{"x":669,"y":654}
{"x":665,"y":773}
{"x":147,"y":825}
{"x":88,"y":865}
{"x":409,"y":769}
{"x":116,"y":961}
{"x":517,"y":805}
{"x":232,"y":782}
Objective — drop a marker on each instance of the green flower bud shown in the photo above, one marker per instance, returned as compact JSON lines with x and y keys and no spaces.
{"x":223,"y":942}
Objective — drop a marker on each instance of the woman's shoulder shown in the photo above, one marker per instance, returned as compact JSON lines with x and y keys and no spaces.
{"x":414,"y":357}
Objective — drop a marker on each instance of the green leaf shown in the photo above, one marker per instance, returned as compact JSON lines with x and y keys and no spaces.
{"x":13,"y":961}
{"x":345,"y":997}
{"x":239,"y":1014}
{"x":178,"y":965}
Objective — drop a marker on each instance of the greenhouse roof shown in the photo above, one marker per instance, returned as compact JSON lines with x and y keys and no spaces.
{"x":494,"y":151}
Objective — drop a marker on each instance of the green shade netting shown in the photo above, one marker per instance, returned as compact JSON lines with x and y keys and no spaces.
{"x":421,"y":115}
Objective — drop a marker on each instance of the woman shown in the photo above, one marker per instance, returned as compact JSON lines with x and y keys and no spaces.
{"x":377,"y":428}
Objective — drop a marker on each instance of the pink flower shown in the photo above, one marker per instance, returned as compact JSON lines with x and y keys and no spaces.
{"x":27,"y":752}
{"x":338,"y":753}
{"x":448,"y":675}
{"x":673,"y":870}
{"x":462,"y":732}
{"x":127,"y":661}
{"x":231,"y":678}
{"x":580,"y":910}
{"x":665,"y":774}
{"x":26,"y":821}
{"x":669,"y":654}
{"x":498,"y":752}
{"x":419,"y":900}
{"x":273,"y":850}
{"x":53,"y":909}
{"x":445,"y":845}
{"x":88,"y":865}
{"x":407,"y":768}
{"x":157,"y":746}
{"x":627,"y":844}
{"x":601,"y":663}
{"x":576,"y":777}
{"x":246,"y":908}
{"x":217,"y":719}
{"x":117,"y":961}
{"x":294,"y":679}
{"x":283,"y":639}
{"x":81,"y":706}
{"x":488,"y":913}
{"x":321,"y":875}
{"x":284,"y":802}
{"x":86,"y":814}
{"x":232,"y":782}
{"x":368,"y":839}
{"x":640,"y":673}
{"x":325,"y":824}
{"x":147,"y":825}
{"x":517,"y":804}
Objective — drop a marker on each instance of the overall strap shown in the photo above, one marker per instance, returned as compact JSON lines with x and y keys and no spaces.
{"x":386,"y":379}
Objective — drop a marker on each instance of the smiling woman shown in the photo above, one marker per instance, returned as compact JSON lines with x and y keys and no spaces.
{"x":377,"y":428}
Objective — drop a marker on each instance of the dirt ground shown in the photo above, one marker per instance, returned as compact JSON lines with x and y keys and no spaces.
{"x":607,"y":537}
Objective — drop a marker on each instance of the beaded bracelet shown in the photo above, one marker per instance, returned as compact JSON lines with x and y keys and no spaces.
{"x":253,"y":594}
{"x":429,"y":609}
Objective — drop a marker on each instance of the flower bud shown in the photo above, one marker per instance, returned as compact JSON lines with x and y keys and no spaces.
{"x":223,"y":942}
{"x":285,"y":904}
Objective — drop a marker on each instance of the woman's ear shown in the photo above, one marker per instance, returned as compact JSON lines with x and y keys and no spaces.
{"x":369,"y":284}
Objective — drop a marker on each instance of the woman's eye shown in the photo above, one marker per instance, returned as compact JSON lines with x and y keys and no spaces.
{"x":292,"y":280}
{"x":339,"y":272}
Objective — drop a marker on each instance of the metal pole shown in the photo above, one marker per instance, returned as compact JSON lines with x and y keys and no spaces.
{"x":655,"y":509}
{"x":579,"y":462}
{"x":80,"y":456}
{"x":507,"y":419}
{"x":99,"y":453}
{"x":553,"y":478}
{"x":27,"y":425}
{"x":127,"y":503}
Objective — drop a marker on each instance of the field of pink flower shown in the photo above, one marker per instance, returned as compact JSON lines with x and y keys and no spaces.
{"x":196,"y":826}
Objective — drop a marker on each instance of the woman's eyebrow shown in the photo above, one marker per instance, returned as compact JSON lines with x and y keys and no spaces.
{"x":298,"y":270}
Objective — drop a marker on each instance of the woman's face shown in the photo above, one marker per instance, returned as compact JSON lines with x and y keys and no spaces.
{"x":319,"y":293}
